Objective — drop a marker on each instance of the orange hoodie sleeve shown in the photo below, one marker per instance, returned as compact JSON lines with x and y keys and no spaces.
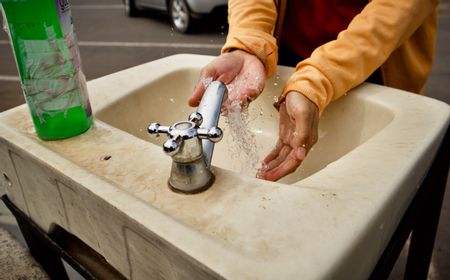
{"x":251,"y":27}
{"x":338,"y":66}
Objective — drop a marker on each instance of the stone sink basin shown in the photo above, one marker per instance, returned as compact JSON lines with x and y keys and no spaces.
{"x":330,"y":219}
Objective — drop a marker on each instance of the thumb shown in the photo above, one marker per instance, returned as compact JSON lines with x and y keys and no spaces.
{"x":199,"y":90}
{"x":300,"y":153}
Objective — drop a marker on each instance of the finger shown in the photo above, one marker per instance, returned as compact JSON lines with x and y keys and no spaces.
{"x":247,"y":95}
{"x":274,"y":153}
{"x":292,"y":162}
{"x":197,"y":95}
{"x":280,"y":157}
{"x":207,"y":75}
{"x":274,"y":163}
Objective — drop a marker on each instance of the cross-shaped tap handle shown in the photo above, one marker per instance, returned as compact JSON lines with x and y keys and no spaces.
{"x":185,"y":130}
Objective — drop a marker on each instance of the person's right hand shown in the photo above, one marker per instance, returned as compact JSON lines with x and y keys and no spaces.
{"x":243,"y":73}
{"x":298,"y":132}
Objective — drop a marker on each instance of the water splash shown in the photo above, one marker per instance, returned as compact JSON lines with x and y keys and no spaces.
{"x":275,"y":98}
{"x":241,"y":82}
{"x":243,"y":147}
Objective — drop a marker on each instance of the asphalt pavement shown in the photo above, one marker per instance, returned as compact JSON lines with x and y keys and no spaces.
{"x":110,"y":41}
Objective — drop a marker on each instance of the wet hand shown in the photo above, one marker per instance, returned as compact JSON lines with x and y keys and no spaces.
{"x":243,"y":73}
{"x":298,"y":132}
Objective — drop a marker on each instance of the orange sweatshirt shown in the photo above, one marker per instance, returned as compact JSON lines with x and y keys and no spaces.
{"x":398,"y":36}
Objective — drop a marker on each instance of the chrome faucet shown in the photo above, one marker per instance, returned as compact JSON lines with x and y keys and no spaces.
{"x":191,"y":142}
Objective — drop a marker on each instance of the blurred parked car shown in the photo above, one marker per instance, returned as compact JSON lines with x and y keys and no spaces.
{"x":182,"y":13}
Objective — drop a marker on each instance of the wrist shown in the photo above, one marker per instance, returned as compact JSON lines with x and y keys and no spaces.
{"x":294,"y":95}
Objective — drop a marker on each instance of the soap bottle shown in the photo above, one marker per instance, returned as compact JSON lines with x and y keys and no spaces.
{"x":48,"y":60}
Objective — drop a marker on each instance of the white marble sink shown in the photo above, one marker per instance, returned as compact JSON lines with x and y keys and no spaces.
{"x":330,"y":219}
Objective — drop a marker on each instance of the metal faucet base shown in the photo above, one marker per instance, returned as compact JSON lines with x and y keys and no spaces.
{"x":190,"y":178}
{"x":195,"y":191}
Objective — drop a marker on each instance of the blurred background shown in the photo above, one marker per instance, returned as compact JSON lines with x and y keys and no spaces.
{"x":113,"y":36}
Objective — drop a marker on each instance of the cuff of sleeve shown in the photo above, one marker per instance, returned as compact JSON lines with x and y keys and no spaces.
{"x":260,"y":44}
{"x":310,"y":82}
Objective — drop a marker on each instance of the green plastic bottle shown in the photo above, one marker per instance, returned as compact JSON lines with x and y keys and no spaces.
{"x":48,"y":59}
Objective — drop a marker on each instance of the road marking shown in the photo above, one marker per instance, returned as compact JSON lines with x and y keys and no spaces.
{"x":7,"y":78}
{"x":149,"y":45}
{"x":141,"y":44}
{"x":96,"y":7}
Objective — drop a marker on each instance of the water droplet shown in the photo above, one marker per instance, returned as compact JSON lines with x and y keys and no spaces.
{"x":172,"y":100}
{"x":275,"y":84}
{"x":206,"y":81}
{"x":277,"y":76}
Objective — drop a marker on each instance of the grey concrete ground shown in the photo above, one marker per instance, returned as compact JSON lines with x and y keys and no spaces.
{"x":16,"y":262}
{"x":109,"y":42}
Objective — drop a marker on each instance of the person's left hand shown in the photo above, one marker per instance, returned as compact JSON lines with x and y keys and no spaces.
{"x":298,"y":132}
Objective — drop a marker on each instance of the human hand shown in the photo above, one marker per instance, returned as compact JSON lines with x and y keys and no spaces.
{"x":241,"y":72}
{"x":298,"y":132}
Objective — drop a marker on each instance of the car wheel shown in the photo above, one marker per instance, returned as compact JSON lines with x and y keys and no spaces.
{"x":180,"y":16}
{"x":130,"y":8}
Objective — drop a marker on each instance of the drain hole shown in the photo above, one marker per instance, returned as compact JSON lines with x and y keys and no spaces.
{"x":107,"y":157}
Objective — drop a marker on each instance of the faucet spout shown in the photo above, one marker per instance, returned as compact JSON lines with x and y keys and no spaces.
{"x":210,"y":108}
{"x":191,"y":142}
